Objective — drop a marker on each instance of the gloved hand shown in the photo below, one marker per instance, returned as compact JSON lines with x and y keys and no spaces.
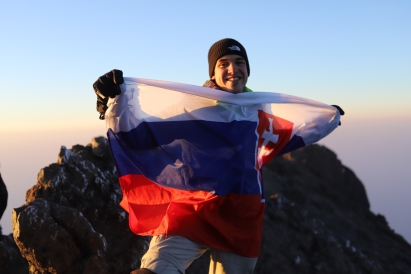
{"x":107,"y":86}
{"x":340,"y":110}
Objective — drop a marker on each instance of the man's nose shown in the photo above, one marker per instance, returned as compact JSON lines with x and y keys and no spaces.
{"x":232,"y":68}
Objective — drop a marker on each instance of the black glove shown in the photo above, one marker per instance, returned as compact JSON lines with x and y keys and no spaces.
{"x":340,"y":110}
{"x":107,"y":86}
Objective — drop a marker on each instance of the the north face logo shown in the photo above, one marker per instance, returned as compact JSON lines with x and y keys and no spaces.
{"x":234,"y":48}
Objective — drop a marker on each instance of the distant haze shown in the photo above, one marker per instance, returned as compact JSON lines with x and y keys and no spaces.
{"x":378,"y":151}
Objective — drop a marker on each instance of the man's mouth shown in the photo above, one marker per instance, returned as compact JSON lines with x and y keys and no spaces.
{"x":233,"y":78}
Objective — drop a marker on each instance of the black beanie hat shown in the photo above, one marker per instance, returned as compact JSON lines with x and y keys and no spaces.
{"x":225,"y":47}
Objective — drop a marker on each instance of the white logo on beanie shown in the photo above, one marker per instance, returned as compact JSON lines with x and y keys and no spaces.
{"x":234,"y":48}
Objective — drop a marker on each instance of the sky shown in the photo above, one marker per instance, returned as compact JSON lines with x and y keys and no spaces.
{"x":355,"y":54}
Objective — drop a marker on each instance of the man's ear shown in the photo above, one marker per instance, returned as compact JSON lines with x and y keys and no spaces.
{"x":213,"y":77}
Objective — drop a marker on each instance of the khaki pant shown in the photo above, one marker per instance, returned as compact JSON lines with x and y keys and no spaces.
{"x":174,"y":254}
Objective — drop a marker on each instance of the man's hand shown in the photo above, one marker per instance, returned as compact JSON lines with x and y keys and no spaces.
{"x":107,"y":86}
{"x":340,"y":110}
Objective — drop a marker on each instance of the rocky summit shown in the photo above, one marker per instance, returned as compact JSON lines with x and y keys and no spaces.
{"x":317,"y":220}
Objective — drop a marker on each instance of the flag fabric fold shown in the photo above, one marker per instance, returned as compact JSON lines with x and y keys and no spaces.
{"x":189,"y":158}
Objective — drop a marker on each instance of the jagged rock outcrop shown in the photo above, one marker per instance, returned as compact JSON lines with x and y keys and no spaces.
{"x":317,"y":219}
{"x":72,"y":222}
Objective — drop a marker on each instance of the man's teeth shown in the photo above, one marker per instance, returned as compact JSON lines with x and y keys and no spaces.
{"x":233,"y":79}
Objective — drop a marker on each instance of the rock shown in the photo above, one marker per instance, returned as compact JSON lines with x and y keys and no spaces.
{"x":11,"y":260}
{"x":3,"y":197}
{"x":55,"y":237}
{"x":72,"y":222}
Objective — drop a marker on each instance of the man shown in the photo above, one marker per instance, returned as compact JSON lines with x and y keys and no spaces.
{"x":229,"y":70}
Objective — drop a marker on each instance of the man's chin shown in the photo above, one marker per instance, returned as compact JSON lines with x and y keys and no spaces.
{"x":233,"y":90}
{"x":230,"y":91}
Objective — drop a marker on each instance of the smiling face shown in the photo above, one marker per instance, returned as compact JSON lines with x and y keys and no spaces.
{"x":230,"y":73}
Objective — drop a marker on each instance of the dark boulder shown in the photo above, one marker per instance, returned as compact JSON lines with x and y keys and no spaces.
{"x":3,"y":197}
{"x":11,"y":260}
{"x":318,"y":220}
{"x":72,"y":221}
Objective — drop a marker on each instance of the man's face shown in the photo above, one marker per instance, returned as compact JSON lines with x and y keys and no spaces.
{"x":230,"y":73}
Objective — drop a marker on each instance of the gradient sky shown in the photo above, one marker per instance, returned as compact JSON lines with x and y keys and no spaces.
{"x":352,"y":53}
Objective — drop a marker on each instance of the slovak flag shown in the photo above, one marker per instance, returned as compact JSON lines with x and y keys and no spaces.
{"x":189,"y":158}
